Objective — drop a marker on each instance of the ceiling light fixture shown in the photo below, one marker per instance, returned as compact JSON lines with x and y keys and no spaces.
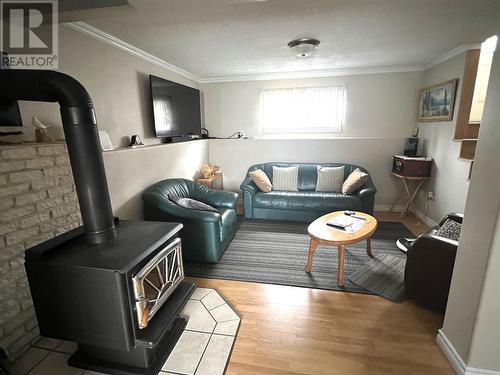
{"x":303,"y":47}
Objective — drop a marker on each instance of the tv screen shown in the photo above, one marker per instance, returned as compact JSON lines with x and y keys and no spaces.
{"x":10,"y":115}
{"x":176,"y":110}
{"x":9,"y":112}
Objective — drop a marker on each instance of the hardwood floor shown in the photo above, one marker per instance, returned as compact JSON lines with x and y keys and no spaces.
{"x":290,"y":330}
{"x":413,"y":223}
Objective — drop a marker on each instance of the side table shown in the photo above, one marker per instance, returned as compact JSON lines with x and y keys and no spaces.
{"x":411,"y":194}
{"x":214,"y":182}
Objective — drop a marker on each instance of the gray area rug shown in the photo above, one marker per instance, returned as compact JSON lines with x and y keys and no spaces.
{"x":275,"y":252}
{"x":384,"y":276}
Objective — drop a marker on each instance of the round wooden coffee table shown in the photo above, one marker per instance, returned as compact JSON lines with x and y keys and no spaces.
{"x":324,"y":234}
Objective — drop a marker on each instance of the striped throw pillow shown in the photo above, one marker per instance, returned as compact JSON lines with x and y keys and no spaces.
{"x":285,"y":179}
{"x":330,"y":179}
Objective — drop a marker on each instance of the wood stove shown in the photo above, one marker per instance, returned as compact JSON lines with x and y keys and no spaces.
{"x":114,"y":287}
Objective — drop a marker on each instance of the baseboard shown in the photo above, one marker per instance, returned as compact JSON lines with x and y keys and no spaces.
{"x":387,"y":208}
{"x":456,"y":361}
{"x":450,"y":353}
{"x":427,"y":220}
{"x":480,"y":371}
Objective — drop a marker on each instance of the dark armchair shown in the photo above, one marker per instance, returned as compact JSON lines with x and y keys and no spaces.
{"x":205,"y":235}
{"x":429,"y":267}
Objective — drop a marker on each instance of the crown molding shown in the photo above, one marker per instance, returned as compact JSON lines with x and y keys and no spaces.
{"x":109,"y":39}
{"x":312,"y":74}
{"x":452,"y":53}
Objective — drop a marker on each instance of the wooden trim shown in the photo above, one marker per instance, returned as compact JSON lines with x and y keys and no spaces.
{"x":470,"y":169}
{"x":463,"y":129}
{"x":468,"y":149}
{"x":472,"y":131}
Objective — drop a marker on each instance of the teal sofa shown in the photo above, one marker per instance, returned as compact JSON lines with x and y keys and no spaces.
{"x":205,"y":235}
{"x":305,"y":204}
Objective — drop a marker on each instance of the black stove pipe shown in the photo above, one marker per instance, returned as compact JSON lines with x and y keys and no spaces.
{"x":79,"y":123}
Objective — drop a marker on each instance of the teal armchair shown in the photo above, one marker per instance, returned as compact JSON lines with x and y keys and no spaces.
{"x":205,"y":235}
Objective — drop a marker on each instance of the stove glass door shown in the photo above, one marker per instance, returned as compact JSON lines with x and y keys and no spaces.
{"x":157,"y":280}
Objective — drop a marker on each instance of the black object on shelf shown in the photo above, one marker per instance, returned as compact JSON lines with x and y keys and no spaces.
{"x":4,"y":363}
{"x":411,"y":147}
{"x":135,"y":141}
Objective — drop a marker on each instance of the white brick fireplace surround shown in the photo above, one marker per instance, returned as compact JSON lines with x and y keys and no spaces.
{"x":37,"y":202}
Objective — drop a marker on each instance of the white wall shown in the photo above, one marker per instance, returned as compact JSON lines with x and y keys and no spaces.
{"x":484,"y":346}
{"x":381,"y":112}
{"x":471,"y":321}
{"x":235,"y":156}
{"x":118,"y":84}
{"x":378,"y":105}
{"x":449,"y":180}
{"x":129,"y":172}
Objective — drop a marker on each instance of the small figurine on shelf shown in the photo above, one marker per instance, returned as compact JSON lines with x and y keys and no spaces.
{"x":41,"y":135}
{"x":135,"y":141}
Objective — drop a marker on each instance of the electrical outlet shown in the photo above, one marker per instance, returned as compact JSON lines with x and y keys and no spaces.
{"x":430,"y":195}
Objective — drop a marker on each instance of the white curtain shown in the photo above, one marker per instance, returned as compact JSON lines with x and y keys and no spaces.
{"x":303,"y":110}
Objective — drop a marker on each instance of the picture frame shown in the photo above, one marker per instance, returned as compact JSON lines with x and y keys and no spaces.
{"x":437,"y":102}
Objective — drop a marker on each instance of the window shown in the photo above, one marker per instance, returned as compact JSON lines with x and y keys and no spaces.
{"x":303,"y":110}
{"x":483,"y":75}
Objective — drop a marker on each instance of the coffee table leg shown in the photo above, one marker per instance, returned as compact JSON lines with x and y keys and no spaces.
{"x":369,"y":247}
{"x":340,"y":272}
{"x":312,"y":248}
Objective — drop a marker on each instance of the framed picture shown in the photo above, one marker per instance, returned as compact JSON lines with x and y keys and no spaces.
{"x":437,"y":102}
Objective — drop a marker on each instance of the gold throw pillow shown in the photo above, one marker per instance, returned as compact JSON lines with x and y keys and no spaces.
{"x":261,"y":180}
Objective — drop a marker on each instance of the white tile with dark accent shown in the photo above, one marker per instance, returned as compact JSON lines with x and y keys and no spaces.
{"x":187,"y":353}
{"x":213,"y":360}
{"x":212,"y":300}
{"x":28,"y":361}
{"x":216,"y":355}
{"x":47,"y":343}
{"x":56,"y":364}
{"x":199,"y":293}
{"x":227,"y":328}
{"x":224,"y":313}
{"x":67,"y":347}
{"x":198,"y":317}
{"x":203,"y":348}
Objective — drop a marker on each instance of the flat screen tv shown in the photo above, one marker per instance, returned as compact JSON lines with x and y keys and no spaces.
{"x":9,"y":112}
{"x":176,"y":110}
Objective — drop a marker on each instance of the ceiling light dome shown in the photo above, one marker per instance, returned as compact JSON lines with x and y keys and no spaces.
{"x":303,"y":47}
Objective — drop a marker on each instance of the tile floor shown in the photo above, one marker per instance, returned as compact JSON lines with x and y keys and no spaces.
{"x":203,"y":348}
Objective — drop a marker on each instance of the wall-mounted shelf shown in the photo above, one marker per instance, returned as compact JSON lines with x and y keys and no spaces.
{"x":464,"y":129}
{"x":468,"y":149}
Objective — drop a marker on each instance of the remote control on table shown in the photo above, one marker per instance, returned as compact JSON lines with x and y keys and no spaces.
{"x":336,"y":226}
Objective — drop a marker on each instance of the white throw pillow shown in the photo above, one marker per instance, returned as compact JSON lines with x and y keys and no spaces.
{"x":285,"y":179}
{"x":330,"y":179}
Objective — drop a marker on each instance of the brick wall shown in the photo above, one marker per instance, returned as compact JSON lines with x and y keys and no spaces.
{"x":37,"y":202}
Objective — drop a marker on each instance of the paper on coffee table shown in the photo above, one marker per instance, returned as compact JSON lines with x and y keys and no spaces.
{"x":350,"y":224}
